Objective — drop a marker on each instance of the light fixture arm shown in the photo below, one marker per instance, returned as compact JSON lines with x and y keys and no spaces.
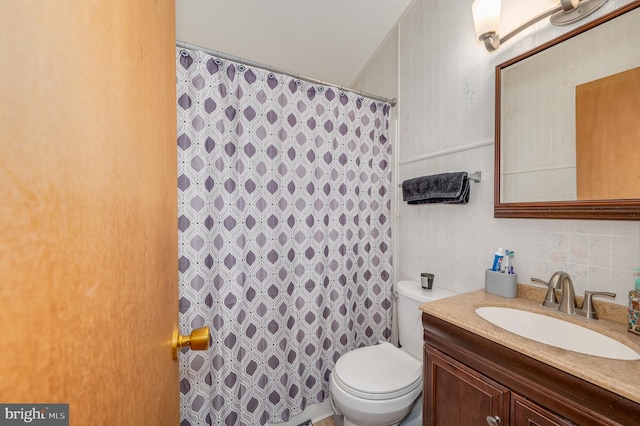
{"x":564,"y":13}
{"x":530,"y":22}
{"x":492,"y":40}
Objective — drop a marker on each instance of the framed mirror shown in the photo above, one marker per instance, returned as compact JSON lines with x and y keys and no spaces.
{"x":567,"y":123}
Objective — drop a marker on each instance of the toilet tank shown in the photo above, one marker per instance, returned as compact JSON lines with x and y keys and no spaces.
{"x":410,"y":297}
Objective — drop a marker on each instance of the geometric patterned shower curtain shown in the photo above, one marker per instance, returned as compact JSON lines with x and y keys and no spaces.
{"x":284,"y":236}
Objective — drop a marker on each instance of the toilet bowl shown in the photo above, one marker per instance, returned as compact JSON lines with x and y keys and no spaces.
{"x":375,"y":385}
{"x":379,"y":385}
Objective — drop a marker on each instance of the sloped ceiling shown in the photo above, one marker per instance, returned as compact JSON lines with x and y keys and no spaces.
{"x":329,"y":40}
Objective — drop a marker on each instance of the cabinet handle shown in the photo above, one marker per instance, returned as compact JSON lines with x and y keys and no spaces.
{"x":493,"y":420}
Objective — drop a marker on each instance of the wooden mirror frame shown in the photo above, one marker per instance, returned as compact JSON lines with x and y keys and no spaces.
{"x":613,"y":209}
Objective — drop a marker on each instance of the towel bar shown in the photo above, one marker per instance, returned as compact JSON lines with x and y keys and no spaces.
{"x":473,"y":177}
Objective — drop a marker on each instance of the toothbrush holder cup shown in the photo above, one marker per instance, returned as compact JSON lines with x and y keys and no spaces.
{"x":501,"y":284}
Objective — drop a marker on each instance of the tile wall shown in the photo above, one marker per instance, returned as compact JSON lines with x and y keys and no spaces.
{"x":443,"y":80}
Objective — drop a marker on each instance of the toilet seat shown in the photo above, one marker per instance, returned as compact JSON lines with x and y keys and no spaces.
{"x":378,"y":372}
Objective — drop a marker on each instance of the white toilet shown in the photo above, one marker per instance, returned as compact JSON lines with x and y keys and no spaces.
{"x":379,"y":385}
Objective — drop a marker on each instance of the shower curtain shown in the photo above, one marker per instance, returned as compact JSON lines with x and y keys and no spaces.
{"x":284,"y":237}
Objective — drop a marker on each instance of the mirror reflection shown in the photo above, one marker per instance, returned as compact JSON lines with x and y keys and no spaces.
{"x":569,"y":118}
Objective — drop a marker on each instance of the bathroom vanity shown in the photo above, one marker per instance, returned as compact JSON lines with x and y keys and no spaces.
{"x":476,"y":373}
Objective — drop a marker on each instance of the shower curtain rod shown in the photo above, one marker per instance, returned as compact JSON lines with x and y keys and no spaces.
{"x":248,"y":62}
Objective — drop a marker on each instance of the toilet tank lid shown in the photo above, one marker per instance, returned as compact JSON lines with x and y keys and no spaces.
{"x":413,"y":290}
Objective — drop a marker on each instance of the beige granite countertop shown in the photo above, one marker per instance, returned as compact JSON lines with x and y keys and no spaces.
{"x":621,"y":377}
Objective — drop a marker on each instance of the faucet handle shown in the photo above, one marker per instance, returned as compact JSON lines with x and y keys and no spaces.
{"x":588,"y":310}
{"x":540,"y":280}
{"x":550,"y":300}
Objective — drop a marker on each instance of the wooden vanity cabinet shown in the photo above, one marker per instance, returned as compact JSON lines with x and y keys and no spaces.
{"x":468,"y":378}
{"x":462,"y":396}
{"x":525,"y":412}
{"x":459,"y":395}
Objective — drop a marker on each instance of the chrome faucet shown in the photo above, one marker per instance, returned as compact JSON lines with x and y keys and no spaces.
{"x":562,"y":281}
{"x":567,"y":302}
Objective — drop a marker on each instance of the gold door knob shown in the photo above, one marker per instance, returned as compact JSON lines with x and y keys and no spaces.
{"x":198,"y":340}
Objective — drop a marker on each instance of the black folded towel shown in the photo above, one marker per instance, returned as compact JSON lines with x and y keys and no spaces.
{"x":450,"y":188}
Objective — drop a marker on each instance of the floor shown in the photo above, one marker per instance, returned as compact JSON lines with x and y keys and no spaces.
{"x":325,"y":422}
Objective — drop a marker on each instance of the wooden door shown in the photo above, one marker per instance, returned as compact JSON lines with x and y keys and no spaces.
{"x":88,"y":209}
{"x":607,"y":134}
{"x":456,"y":395}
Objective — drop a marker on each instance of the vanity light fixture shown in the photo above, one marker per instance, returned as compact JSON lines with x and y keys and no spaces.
{"x":486,"y":18}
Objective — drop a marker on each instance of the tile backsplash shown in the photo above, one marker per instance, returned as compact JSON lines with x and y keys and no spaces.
{"x":444,"y":82}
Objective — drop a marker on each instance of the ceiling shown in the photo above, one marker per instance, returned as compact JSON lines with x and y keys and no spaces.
{"x":329,"y":40}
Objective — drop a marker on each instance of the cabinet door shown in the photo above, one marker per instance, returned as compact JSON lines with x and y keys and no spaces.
{"x":527,"y":413}
{"x":456,"y":395}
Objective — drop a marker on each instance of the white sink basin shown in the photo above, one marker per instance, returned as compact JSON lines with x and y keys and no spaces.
{"x":556,"y":332}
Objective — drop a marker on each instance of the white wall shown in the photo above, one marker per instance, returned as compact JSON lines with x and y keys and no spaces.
{"x":445,"y":91}
{"x":380,"y":76}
